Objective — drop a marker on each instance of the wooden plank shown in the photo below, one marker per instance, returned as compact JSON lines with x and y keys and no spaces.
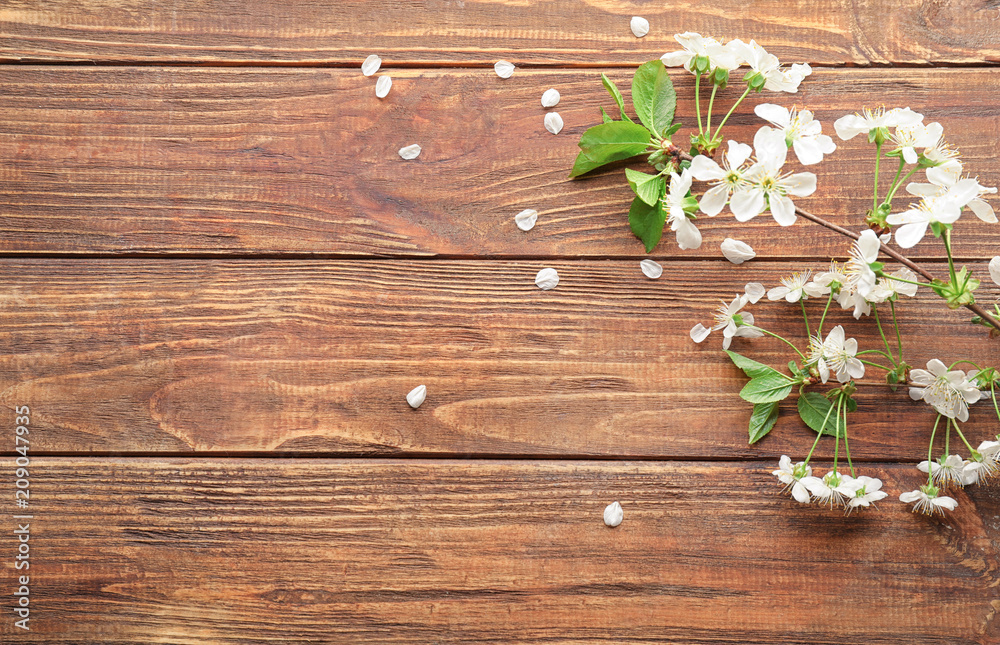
{"x":227,"y":551}
{"x":317,"y":357}
{"x":562,"y":32}
{"x":156,"y":160}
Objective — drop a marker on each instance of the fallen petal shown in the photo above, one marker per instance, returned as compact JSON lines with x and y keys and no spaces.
{"x":409,"y":152}
{"x":371,"y":65}
{"x":547,"y":279}
{"x":613,"y":514}
{"x":417,"y":396}
{"x":382,"y":86}
{"x":503,"y":68}
{"x":525,"y":220}
{"x":736,"y":251}
{"x":553,"y":122}
{"x":995,"y":269}
{"x":550,"y":98}
{"x":651,"y":269}
{"x":640,"y":26}
{"x":754,"y":291}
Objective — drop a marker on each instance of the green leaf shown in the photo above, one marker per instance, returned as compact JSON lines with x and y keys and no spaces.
{"x":813,"y":408}
{"x":604,"y":117}
{"x":750,"y":367}
{"x":764,"y":416}
{"x":767,"y":388}
{"x":608,"y":142}
{"x":616,"y":95}
{"x":649,"y":188}
{"x":647,"y":222}
{"x":653,"y":96}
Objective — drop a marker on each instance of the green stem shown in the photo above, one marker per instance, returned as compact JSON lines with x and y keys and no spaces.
{"x":697,"y":101}
{"x":899,"y":171}
{"x":959,"y":431}
{"x":847,"y":448}
{"x":892,"y":193}
{"x":882,"y":334}
{"x":895,"y":323}
{"x":728,"y":114}
{"x":819,"y":330}
{"x":878,"y":158}
{"x":930,"y":450}
{"x":836,"y":436}
{"x":875,"y":351}
{"x":882,"y":367}
{"x":951,"y":263}
{"x":805,"y":317}
{"x":785,"y":340}
{"x":711,"y":102}
{"x":966,"y":363}
{"x":819,"y":433}
{"x":898,"y":279}
{"x":993,"y":394}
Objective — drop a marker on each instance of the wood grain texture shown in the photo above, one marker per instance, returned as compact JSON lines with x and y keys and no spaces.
{"x":305,"y":161}
{"x":237,"y":551}
{"x":304,"y":357}
{"x":563,"y":32}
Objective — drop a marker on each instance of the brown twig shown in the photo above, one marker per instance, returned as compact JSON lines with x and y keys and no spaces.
{"x":885,"y":249}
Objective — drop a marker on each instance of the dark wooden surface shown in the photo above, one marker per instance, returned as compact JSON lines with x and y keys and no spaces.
{"x":263,"y":161}
{"x":218,"y":281}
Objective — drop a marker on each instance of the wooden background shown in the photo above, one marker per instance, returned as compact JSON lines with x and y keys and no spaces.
{"x":219,"y":281}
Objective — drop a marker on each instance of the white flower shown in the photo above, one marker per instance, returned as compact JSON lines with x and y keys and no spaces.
{"x":860,"y":276}
{"x":791,"y":476}
{"x":823,"y":282}
{"x":737,"y":252}
{"x":766,"y":187}
{"x":696,"y":45}
{"x":726,"y":178}
{"x":688,"y":236}
{"x":867,"y":490}
{"x":767,"y":65}
{"x":639,"y":26}
{"x":826,"y":490}
{"x":995,"y":269}
{"x":847,"y":294}
{"x":800,"y":130}
{"x":950,"y":393}
{"x":917,"y":135}
{"x":945,"y":471}
{"x":732,"y":323}
{"x":887,"y":287}
{"x":836,"y":353}
{"x":928,"y":501}
{"x":944,"y":208}
{"x":754,"y":291}
{"x":792,"y":288}
{"x":946,"y":183}
{"x":944,"y":162}
{"x":852,"y":125}
{"x":984,"y":464}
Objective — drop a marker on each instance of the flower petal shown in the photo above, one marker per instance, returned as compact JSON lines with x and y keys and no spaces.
{"x":651,"y":269}
{"x":776,"y":114}
{"x":736,"y":251}
{"x":700,"y":332}
{"x":553,"y":122}
{"x":382,"y":86}
{"x":410,"y":152}
{"x":782,"y":209}
{"x":639,"y":26}
{"x":550,"y":98}
{"x":371,"y":65}
{"x":747,"y":204}
{"x":714,"y":200}
{"x":503,"y":68}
